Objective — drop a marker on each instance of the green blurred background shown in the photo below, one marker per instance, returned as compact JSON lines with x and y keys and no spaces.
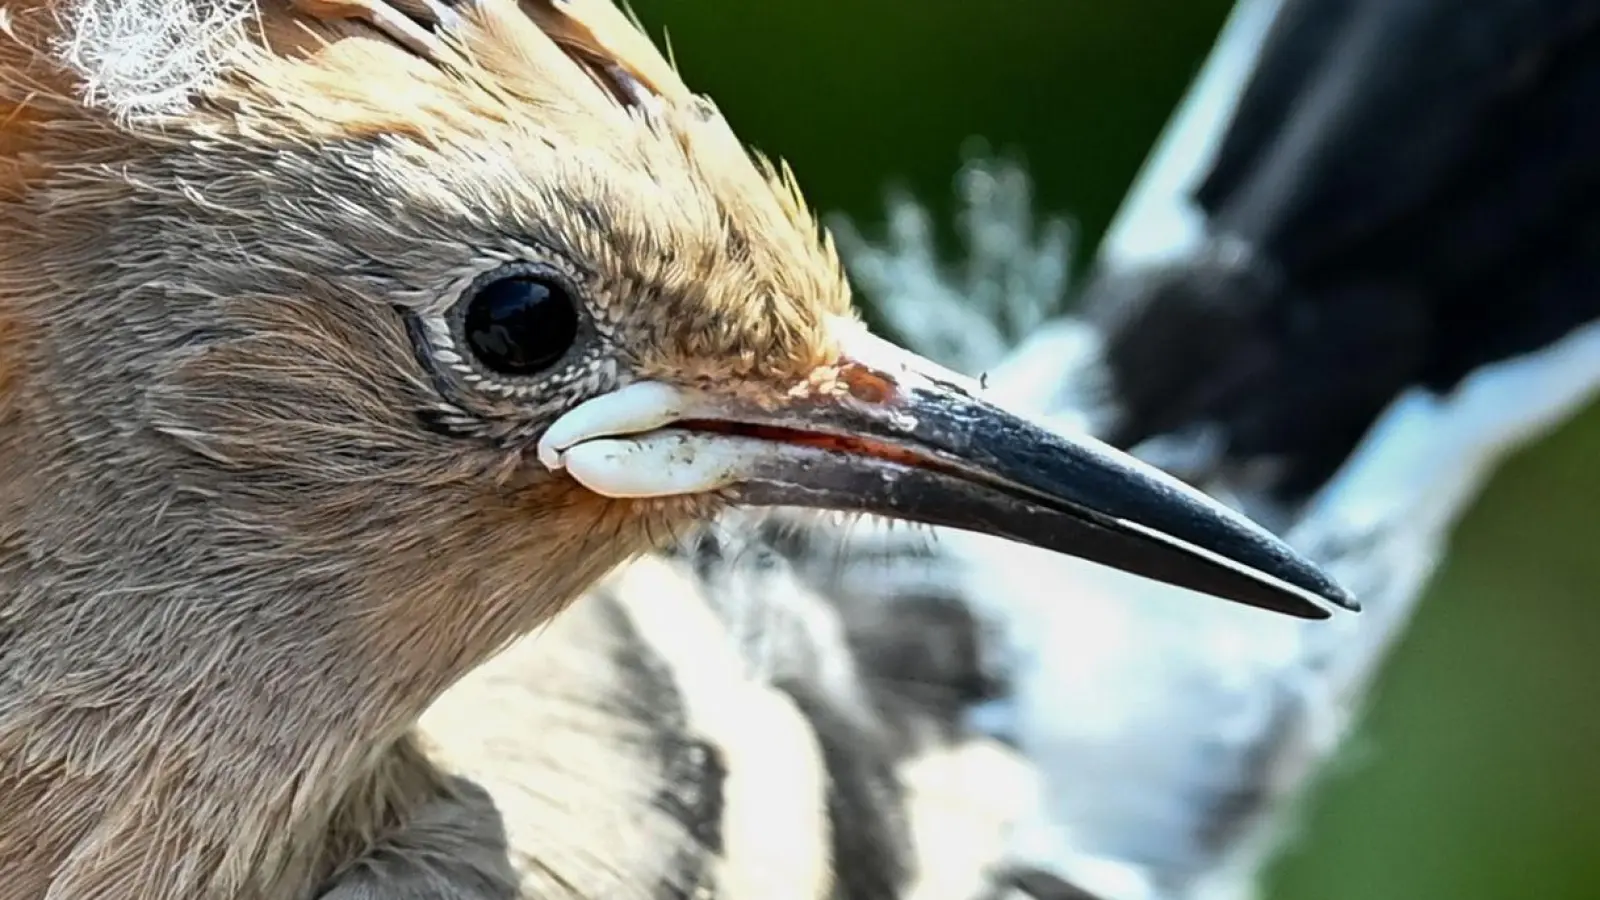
{"x":1476,"y":773}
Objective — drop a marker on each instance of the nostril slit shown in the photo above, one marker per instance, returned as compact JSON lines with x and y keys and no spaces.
{"x":867,"y":386}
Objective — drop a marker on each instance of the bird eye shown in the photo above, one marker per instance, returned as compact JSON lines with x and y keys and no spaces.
{"x":520,"y":324}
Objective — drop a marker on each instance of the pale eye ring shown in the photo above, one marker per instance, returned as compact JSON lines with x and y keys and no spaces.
{"x":519,"y":320}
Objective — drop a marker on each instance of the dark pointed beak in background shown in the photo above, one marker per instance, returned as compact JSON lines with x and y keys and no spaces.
{"x":890,"y":433}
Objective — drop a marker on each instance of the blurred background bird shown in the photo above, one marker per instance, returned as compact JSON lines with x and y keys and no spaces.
{"x":788,"y":706}
{"x":1353,"y":275}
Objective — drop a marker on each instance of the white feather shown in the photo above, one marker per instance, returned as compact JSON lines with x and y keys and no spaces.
{"x":148,"y":58}
{"x":1014,"y":277}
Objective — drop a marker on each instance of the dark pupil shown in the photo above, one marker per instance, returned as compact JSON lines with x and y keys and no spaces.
{"x":520,"y":325}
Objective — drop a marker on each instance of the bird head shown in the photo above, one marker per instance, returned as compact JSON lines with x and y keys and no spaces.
{"x":344,"y":340}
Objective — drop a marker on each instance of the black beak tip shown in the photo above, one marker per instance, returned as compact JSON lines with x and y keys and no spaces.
{"x":1304,"y":577}
{"x":1221,"y":553}
{"x":1335,"y":593}
{"x":1335,"y":598}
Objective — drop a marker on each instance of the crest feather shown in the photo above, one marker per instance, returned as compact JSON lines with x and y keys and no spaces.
{"x":599,"y":33}
{"x":564,"y":78}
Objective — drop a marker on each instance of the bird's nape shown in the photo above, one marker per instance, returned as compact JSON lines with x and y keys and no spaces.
{"x":881,"y":430}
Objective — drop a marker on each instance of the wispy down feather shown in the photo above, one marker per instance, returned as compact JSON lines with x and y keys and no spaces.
{"x":147,"y":58}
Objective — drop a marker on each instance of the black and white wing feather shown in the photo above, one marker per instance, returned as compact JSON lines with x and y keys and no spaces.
{"x":1357,"y":271}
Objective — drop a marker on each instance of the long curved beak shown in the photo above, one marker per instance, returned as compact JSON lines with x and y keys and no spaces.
{"x":887,"y":432}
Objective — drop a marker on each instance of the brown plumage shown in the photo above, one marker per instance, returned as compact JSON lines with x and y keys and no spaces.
{"x":284,"y":418}
{"x":259,"y":508}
